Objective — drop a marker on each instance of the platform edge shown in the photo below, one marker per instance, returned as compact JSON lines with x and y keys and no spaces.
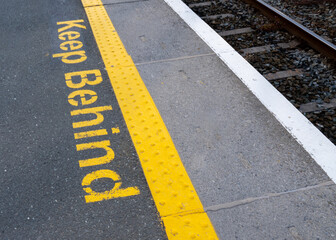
{"x":318,"y":146}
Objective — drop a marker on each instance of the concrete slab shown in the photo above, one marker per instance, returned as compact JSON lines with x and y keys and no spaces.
{"x":150,"y":35}
{"x":300,"y":215}
{"x":232,"y":147}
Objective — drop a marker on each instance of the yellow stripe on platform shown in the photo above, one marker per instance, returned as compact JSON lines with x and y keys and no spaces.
{"x":90,"y":3}
{"x":174,"y":195}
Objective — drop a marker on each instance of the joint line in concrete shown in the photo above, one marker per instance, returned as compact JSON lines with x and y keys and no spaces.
{"x":175,"y":59}
{"x":237,"y":203}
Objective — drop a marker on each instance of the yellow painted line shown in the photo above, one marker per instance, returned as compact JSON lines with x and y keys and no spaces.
{"x":93,"y":133}
{"x":173,"y":192}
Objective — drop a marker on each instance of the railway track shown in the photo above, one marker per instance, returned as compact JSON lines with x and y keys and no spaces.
{"x":316,"y":15}
{"x":295,"y":60}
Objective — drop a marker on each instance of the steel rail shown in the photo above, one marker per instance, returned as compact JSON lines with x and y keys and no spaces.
{"x":315,"y":41}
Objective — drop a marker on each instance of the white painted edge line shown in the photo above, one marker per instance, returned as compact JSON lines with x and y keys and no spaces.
{"x":321,"y":149}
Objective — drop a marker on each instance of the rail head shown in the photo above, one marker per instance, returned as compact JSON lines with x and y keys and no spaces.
{"x":317,"y":42}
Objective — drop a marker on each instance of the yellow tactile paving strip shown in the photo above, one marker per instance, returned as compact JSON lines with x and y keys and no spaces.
{"x":90,"y":3}
{"x":175,"y":197}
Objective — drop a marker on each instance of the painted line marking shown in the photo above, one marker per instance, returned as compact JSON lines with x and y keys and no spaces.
{"x":174,"y":195}
{"x":320,"y":148}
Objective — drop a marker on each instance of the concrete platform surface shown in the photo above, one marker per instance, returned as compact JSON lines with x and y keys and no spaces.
{"x":232,"y":147}
{"x":253,"y":179}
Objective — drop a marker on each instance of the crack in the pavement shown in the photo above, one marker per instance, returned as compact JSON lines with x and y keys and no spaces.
{"x":175,"y":59}
{"x":233,"y":204}
{"x":186,"y":213}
